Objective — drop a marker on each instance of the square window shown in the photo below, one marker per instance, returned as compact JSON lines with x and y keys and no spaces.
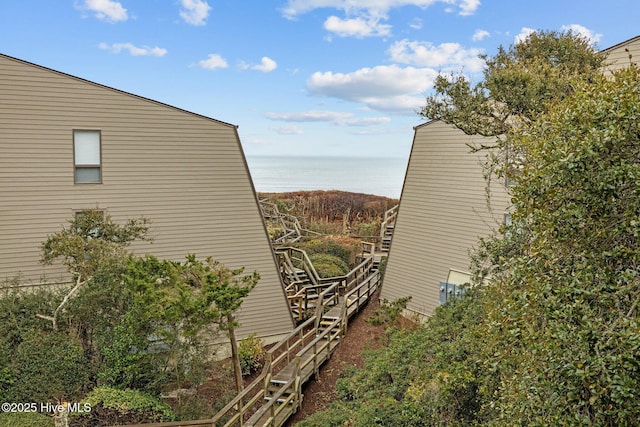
{"x":87,"y":156}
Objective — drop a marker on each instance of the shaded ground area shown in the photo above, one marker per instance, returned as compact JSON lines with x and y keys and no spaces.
{"x":320,"y":392}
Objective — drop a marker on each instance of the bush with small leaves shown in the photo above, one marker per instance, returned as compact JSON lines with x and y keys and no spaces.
{"x":25,"y":419}
{"x":328,"y":265}
{"x":49,"y":365}
{"x":251,"y":353}
{"x":110,"y":406}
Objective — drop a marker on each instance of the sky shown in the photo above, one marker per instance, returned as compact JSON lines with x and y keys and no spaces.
{"x":298,"y":77}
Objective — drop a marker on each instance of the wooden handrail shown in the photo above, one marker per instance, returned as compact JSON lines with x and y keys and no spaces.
{"x":353,"y":286}
{"x":271,"y":404}
{"x":302,"y":258}
{"x":290,"y":223}
{"x":390,"y":214}
{"x":237,"y":402}
{"x":321,"y":342}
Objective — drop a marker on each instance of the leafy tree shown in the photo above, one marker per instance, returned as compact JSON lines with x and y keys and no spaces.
{"x":91,"y":239}
{"x":92,"y":242}
{"x":519,"y":83}
{"x":128,"y":322}
{"x":552,"y":338}
{"x":563,"y":312}
{"x":182,"y":306}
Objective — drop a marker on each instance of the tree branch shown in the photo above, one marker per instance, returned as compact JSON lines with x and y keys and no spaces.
{"x":54,"y":319}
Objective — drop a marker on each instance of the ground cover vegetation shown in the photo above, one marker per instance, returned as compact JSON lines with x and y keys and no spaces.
{"x":129,"y":329}
{"x":334,"y":212}
{"x":550,"y":334}
{"x":339,"y":222}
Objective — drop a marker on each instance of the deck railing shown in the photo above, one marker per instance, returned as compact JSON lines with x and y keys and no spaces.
{"x":305,"y":349}
{"x":278,"y":356}
{"x":386,"y":228}
{"x":293,"y":231}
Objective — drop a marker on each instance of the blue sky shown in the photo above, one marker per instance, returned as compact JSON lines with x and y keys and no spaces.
{"x":299,"y":77}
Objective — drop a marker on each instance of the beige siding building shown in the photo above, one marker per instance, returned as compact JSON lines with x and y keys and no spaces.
{"x":442,"y":213}
{"x":623,"y":54}
{"x":443,"y":209}
{"x":67,"y":145}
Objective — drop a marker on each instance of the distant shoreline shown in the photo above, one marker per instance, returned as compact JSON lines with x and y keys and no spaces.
{"x":375,"y":176}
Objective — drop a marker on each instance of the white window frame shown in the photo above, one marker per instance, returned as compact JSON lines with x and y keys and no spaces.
{"x":85,"y":157}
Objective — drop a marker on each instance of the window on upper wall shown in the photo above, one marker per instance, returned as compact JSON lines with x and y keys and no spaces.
{"x":87,"y":156}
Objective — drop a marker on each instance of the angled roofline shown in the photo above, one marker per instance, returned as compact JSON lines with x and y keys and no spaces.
{"x":428,"y":122}
{"x":617,"y":45}
{"x":116,"y":90}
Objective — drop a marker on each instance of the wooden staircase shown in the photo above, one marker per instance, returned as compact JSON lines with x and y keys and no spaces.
{"x":276,"y":393}
{"x":298,"y":357}
{"x":292,"y":230}
{"x":387,"y":227}
{"x":323,"y":308}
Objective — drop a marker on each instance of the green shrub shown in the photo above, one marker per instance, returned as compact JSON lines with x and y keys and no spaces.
{"x":388,"y":311}
{"x":328,"y":265}
{"x":127,"y":362}
{"x":338,"y":414}
{"x":345,"y":248}
{"x":25,"y":419}
{"x":251,"y":353}
{"x":49,"y":365}
{"x":424,"y":377}
{"x":367,"y":229}
{"x":110,"y":406}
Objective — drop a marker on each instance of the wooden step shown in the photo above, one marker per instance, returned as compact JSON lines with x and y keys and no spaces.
{"x":280,"y":399}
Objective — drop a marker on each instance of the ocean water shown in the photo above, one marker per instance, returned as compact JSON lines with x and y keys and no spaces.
{"x":379,"y":176}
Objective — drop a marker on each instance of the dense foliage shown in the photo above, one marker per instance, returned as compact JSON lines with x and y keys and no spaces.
{"x":25,"y":419}
{"x":128,"y":322}
{"x":519,"y":83}
{"x":111,"y":406}
{"x":570,"y":295}
{"x":334,"y":212}
{"x":425,"y":377}
{"x":551,"y":335}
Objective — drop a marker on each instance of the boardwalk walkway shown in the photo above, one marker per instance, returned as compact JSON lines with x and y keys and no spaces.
{"x":323,"y":308}
{"x":276,"y":393}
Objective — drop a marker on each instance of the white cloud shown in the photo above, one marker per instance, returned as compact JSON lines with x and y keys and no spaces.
{"x":133,"y":50}
{"x":295,"y":8}
{"x":266,"y":65}
{"x":367,"y":121}
{"x":195,"y":12}
{"x":446,"y":56}
{"x":213,"y":62}
{"x":575,"y":28}
{"x":364,"y":18}
{"x":336,"y":117}
{"x":358,"y":27}
{"x":583,"y":31}
{"x":524,"y":33}
{"x":384,"y":88}
{"x":288,"y":130}
{"x":480,"y":35}
{"x":105,"y":10}
{"x":468,"y":7}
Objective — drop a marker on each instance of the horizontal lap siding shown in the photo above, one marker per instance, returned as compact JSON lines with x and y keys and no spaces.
{"x":618,"y":57}
{"x":443,"y":211}
{"x":184,"y":172}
